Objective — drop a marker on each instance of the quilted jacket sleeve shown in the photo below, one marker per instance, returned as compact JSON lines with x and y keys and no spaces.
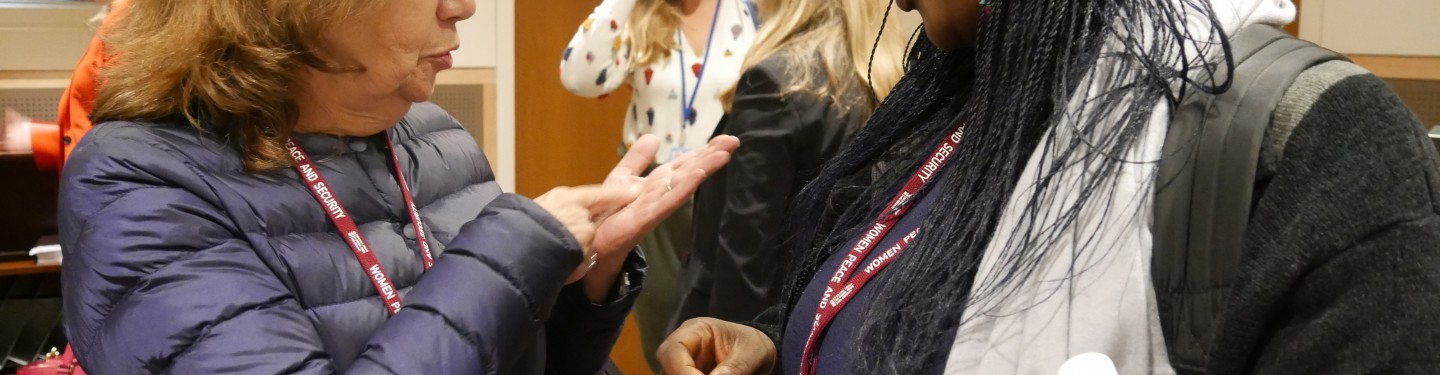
{"x":580,"y":333}
{"x":512,"y":260}
{"x":158,"y":279}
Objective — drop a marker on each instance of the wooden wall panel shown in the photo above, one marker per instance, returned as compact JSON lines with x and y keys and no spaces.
{"x":1374,"y":27}
{"x":562,"y":139}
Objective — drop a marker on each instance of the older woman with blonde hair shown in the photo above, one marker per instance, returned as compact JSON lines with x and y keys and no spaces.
{"x":265,"y":195}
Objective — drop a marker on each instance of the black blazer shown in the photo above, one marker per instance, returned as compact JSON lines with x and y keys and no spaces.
{"x":734,"y":271}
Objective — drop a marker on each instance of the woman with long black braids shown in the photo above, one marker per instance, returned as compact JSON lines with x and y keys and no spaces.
{"x":1002,"y":198}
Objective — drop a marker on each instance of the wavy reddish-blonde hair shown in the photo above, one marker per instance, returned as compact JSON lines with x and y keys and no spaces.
{"x":231,"y":67}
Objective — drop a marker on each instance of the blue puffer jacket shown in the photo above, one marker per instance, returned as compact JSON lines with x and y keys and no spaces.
{"x":179,"y":261}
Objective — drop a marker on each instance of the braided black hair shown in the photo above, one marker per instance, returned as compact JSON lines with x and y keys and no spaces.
{"x":1012,"y":88}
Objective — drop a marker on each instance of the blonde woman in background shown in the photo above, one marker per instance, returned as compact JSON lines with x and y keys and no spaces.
{"x":808,"y":86}
{"x":678,"y":56}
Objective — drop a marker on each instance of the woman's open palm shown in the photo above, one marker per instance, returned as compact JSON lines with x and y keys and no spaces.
{"x":658,"y":194}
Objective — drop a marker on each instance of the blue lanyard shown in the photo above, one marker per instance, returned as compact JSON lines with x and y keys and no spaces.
{"x":687,"y":103}
{"x":755,"y":13}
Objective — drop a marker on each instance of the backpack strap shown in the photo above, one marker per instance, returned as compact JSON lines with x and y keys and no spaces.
{"x":1207,"y":185}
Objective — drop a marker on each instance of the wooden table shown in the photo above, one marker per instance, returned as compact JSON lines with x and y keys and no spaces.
{"x":25,"y":267}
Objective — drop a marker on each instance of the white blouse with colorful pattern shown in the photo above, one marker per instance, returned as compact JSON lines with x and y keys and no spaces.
{"x":597,"y":62}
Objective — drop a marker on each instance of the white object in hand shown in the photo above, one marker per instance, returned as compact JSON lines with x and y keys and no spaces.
{"x":1088,"y":364}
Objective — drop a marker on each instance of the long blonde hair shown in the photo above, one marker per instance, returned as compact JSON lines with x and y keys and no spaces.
{"x":651,"y":31}
{"x":834,"y":35}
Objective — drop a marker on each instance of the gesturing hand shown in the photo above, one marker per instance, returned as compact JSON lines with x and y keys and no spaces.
{"x":578,"y":208}
{"x":658,"y":195}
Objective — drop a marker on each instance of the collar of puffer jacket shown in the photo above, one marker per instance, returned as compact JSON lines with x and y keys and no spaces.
{"x":316,"y":144}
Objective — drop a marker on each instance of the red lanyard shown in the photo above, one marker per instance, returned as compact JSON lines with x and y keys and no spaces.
{"x":844,"y":283}
{"x":351,"y":233}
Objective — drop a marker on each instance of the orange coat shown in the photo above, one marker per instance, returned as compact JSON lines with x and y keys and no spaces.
{"x":53,"y":143}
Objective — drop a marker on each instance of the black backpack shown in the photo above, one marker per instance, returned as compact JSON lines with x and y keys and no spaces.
{"x":1209,"y":180}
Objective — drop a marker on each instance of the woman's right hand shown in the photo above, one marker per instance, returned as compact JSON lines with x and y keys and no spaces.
{"x":579,"y":209}
{"x":711,"y":346}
